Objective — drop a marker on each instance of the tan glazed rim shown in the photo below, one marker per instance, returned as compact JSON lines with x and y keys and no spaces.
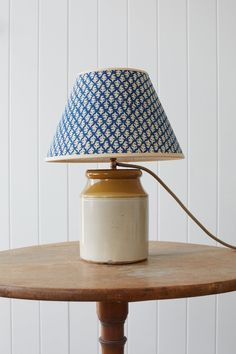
{"x":113,"y":183}
{"x":114,"y":174}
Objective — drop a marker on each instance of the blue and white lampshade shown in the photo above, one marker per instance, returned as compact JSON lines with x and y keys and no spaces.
{"x":114,"y":113}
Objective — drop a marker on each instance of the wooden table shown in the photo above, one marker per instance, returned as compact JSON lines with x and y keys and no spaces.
{"x":173,"y":270}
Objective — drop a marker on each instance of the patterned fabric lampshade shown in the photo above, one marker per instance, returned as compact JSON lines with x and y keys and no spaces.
{"x":113,"y":113}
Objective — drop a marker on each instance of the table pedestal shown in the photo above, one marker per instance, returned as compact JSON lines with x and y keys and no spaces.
{"x":112,"y":316}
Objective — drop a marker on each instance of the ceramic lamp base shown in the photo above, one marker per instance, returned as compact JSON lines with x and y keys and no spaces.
{"x":114,"y":217}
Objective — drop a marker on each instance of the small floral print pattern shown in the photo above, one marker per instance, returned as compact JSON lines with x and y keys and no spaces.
{"x":113,"y":111}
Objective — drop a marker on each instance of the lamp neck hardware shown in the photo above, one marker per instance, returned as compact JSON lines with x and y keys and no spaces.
{"x":113,"y":163}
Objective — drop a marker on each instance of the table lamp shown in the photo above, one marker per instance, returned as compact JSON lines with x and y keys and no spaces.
{"x":114,"y":115}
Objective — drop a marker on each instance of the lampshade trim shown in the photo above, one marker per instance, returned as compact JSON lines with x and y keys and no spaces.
{"x":110,"y":69}
{"x":129,"y":157}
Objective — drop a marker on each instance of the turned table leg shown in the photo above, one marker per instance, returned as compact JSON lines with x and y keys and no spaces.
{"x":112,"y":316}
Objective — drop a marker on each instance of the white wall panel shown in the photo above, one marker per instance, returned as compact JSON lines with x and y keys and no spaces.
{"x":5,"y":326}
{"x":23,"y":123}
{"x":82,"y":56}
{"x":83,"y":328}
{"x":226,"y":342}
{"x":188,"y":48}
{"x":25,"y":327}
{"x":23,"y":158}
{"x":5,"y":304}
{"x":112,"y":33}
{"x":4,"y":114}
{"x":52,"y":98}
{"x":142,"y":327}
{"x":202,"y":168}
{"x":53,"y":178}
{"x":142,"y":53}
{"x":202,"y":117}
{"x":54,"y":328}
{"x":172,"y":86}
{"x":227,"y":123}
{"x":172,"y":327}
{"x":201,"y":325}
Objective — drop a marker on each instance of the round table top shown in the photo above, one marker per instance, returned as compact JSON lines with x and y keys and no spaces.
{"x":173,"y":270}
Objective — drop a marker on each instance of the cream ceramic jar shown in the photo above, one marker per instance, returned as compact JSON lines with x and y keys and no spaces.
{"x":114,"y":217}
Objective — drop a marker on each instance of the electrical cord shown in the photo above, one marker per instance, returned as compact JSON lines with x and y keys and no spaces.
{"x":158,"y":179}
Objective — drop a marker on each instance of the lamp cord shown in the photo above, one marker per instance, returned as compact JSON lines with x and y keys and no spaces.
{"x":121,"y":164}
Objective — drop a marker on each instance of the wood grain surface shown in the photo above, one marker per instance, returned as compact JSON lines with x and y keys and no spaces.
{"x":112,"y":316}
{"x":173,"y":270}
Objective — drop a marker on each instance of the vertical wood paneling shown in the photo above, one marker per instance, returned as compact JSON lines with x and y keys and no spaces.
{"x":203,"y":116}
{"x":54,"y":328}
{"x":142,"y":328}
{"x":227,"y":124}
{"x":225,"y":342}
{"x":171,"y":327}
{"x":5,"y":304}
{"x":227,"y":173}
{"x":53,"y":178}
{"x":83,"y":328}
{"x":82,"y":56}
{"x":201,"y":325}
{"x":23,"y":158}
{"x":188,"y":48}
{"x":172,"y":88}
{"x":25,"y":327}
{"x":4,"y":114}
{"x":5,"y":326}
{"x":52,"y":98}
{"x":202,"y":168}
{"x":112,"y":33}
{"x":142,"y":53}
{"x":23,"y":123}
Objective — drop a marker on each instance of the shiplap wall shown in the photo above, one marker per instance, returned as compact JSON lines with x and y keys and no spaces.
{"x":189,"y":49}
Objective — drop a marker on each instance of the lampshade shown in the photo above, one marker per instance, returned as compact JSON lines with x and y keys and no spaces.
{"x":113,"y":113}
